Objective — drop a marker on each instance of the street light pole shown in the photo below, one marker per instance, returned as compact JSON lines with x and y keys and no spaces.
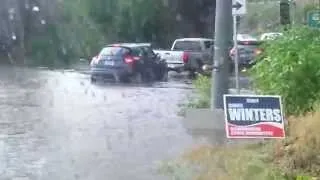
{"x":223,"y":39}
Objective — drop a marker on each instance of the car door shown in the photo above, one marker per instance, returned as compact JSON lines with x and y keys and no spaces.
{"x":140,"y":64}
{"x":151,"y":58}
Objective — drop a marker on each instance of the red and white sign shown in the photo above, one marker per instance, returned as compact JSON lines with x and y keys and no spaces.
{"x":253,"y":116}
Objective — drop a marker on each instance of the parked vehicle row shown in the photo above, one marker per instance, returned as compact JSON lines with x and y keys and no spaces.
{"x":139,"y":62}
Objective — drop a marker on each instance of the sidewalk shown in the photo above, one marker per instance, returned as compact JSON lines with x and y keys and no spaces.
{"x":210,"y":125}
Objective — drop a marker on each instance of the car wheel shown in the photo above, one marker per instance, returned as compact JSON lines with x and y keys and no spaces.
{"x":199,"y":68}
{"x":137,"y":78}
{"x":192,"y":74}
{"x":124,"y":79}
{"x":165,"y":76}
{"x":93,"y":79}
{"x":149,"y":75}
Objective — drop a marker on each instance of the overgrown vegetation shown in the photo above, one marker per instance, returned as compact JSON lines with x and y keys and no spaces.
{"x":201,"y":96}
{"x":289,"y":67}
{"x":202,"y":90}
{"x":294,"y":158}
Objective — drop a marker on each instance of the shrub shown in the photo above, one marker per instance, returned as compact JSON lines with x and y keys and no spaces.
{"x":290,"y":67}
{"x":202,"y":85}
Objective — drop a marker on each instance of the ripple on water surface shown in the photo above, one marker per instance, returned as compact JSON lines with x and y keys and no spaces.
{"x":57,"y":125}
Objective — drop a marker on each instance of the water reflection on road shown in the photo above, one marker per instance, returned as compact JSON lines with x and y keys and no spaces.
{"x":56,"y":125}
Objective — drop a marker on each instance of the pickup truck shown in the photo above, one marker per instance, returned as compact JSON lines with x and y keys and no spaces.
{"x":189,"y":54}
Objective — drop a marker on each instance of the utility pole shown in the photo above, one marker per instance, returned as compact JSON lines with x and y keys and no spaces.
{"x":223,"y":40}
{"x":285,"y":13}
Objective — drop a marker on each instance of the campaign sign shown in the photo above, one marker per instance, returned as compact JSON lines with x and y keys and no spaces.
{"x":253,"y":116}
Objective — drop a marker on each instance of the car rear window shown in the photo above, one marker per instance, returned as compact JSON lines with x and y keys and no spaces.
{"x":187,"y":46}
{"x":114,"y":51}
{"x":135,"y":51}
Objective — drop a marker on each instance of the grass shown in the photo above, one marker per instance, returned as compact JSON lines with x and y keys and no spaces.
{"x":296,"y":157}
{"x":201,"y":99}
{"x":300,"y":152}
{"x":250,"y":162}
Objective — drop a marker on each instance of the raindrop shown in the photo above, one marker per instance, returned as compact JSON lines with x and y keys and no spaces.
{"x":130,"y":133}
{"x":178,"y":17}
{"x":51,"y":103}
{"x":109,"y":146}
{"x":35,"y":9}
{"x":11,"y":11}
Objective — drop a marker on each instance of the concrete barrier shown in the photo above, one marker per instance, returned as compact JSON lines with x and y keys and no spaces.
{"x":210,"y":124}
{"x":207,"y":124}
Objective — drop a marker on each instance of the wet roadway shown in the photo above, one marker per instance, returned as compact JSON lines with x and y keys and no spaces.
{"x":56,"y":125}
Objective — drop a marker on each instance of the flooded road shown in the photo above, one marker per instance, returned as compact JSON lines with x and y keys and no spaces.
{"x":56,"y":125}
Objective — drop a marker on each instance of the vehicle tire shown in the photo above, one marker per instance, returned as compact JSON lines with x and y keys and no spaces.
{"x":192,"y":74}
{"x":200,"y":64}
{"x":137,"y":78}
{"x":165,"y":76}
{"x":93,"y":79}
{"x":124,"y":79}
{"x":149,"y":75}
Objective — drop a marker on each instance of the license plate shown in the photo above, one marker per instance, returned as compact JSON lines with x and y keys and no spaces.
{"x":243,"y":56}
{"x":109,"y":63}
{"x":171,"y":65}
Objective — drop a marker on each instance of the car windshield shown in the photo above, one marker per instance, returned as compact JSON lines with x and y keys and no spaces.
{"x":113,"y":51}
{"x":187,"y":46}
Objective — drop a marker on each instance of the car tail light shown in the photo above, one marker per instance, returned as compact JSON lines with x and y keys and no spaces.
{"x":95,"y":60}
{"x":257,"y":51}
{"x":185,"y":57}
{"x":130,"y":59}
{"x":232,"y":52}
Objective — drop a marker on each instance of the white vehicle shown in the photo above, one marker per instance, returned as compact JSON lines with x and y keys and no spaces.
{"x":188,"y":54}
{"x":270,"y":36}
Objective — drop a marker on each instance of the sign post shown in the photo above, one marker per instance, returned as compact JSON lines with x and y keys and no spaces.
{"x":238,"y":9}
{"x":253,"y":116}
{"x":313,"y":19}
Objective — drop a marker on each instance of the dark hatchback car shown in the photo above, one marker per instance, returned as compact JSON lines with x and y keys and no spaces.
{"x":128,"y":62}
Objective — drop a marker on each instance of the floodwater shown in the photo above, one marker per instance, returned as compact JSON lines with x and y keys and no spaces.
{"x":56,"y":125}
